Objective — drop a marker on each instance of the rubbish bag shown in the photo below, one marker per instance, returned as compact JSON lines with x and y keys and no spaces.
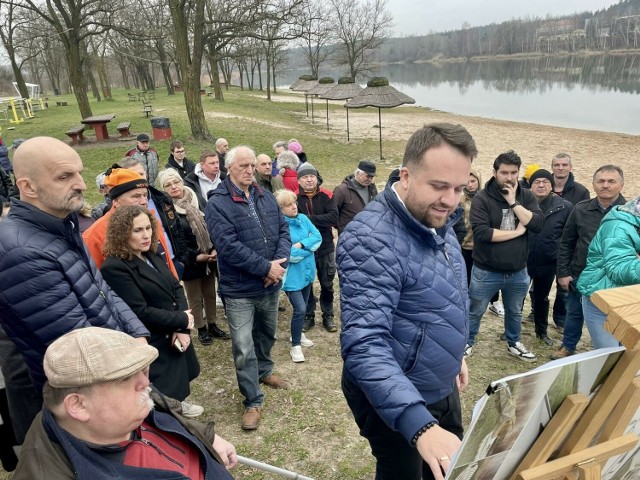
{"x":160,"y":122}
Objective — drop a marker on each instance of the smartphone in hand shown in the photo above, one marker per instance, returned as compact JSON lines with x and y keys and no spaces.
{"x":178,"y":345}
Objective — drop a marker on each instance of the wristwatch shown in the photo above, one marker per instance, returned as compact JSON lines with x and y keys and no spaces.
{"x":514,"y":204}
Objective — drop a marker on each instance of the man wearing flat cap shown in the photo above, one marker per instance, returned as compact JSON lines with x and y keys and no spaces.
{"x":543,"y":248}
{"x":126,"y":187}
{"x":146,"y":155}
{"x":355,"y":192}
{"x":101,"y":419}
{"x":49,"y":284}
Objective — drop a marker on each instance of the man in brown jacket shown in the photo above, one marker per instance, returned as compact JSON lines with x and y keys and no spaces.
{"x":98,"y":421}
{"x":355,"y":192}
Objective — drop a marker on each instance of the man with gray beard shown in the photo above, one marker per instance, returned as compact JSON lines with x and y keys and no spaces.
{"x":49,"y":284}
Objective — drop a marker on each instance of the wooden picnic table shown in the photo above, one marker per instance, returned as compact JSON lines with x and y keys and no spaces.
{"x":99,"y":125}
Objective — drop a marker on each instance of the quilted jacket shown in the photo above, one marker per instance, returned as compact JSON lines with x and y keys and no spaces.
{"x":50,"y":286}
{"x":612,"y":260}
{"x":405,"y":311}
{"x":246,"y":247}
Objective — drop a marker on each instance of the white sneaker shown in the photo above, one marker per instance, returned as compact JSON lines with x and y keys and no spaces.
{"x":304,"y":341}
{"x":468,"y":350}
{"x":521,"y":352}
{"x":296,"y":354}
{"x":496,"y":308}
{"x":191,"y":410}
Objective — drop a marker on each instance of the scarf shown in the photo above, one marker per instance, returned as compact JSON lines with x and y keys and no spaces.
{"x":188,"y":206}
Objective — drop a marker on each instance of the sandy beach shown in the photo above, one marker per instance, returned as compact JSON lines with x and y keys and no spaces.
{"x":534,"y":143}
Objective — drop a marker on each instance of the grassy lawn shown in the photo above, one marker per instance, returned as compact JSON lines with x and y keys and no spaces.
{"x":307,"y":428}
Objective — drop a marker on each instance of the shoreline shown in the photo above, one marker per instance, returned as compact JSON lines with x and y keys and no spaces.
{"x":534,"y":143}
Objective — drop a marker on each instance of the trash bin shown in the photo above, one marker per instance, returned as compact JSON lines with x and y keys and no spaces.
{"x":161,"y":128}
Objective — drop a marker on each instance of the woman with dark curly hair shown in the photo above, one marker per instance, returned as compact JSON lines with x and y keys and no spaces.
{"x":142,"y":279}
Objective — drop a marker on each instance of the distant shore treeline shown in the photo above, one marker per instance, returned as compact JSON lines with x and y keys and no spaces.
{"x":614,"y":28}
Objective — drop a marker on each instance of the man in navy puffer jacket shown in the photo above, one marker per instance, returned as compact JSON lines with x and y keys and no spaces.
{"x":405,"y":309}
{"x":49,"y":284}
{"x":253,"y":244}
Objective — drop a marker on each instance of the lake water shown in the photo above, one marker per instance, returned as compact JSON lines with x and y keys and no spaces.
{"x":592,"y":93}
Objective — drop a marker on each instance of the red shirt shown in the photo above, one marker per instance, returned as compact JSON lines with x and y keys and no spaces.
{"x":162,"y":450}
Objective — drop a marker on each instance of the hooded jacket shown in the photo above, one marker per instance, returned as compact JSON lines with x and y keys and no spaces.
{"x":573,"y":191}
{"x":488,"y":208}
{"x":187,"y":166}
{"x":405,"y":309}
{"x":192,"y":181}
{"x":612,"y":260}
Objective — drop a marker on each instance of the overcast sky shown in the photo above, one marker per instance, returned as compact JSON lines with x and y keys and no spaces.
{"x":422,"y":16}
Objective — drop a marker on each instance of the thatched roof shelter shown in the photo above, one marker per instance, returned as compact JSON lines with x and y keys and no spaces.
{"x":345,"y":89}
{"x":381,"y":95}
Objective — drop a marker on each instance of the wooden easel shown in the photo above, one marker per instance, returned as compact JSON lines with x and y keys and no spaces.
{"x":577,"y":423}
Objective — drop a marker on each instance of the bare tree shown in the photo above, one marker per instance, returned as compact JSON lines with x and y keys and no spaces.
{"x":317,"y":21}
{"x":12,"y":23}
{"x":74,"y":21}
{"x":361,"y":27}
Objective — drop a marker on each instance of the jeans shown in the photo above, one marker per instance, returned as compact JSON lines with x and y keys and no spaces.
{"x":595,"y":318}
{"x":252,"y":323}
{"x":326,"y":268}
{"x":23,"y":399}
{"x":395,"y":458}
{"x":574,"y":319}
{"x":484,"y":284}
{"x":298,"y":299}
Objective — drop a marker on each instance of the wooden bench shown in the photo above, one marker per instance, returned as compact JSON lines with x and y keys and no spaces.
{"x":123,"y":129}
{"x":132,"y":98}
{"x":76,"y":134}
{"x":146,"y":108}
{"x":61,"y":104}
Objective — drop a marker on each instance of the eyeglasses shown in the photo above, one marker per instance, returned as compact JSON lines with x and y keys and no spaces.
{"x":541,"y":181}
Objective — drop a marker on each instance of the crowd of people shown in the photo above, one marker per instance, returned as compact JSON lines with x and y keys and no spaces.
{"x":419,"y":265}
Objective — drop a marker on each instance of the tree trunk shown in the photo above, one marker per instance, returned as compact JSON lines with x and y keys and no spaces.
{"x":190,"y":64}
{"x":164,"y":66}
{"x":215,"y":78}
{"x":77,"y":78}
{"x":268,"y":65}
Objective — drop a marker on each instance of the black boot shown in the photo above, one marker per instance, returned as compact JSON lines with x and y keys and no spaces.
{"x":204,"y":336}
{"x":308,"y":323}
{"x":328,"y":323}
{"x":216,"y":332}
